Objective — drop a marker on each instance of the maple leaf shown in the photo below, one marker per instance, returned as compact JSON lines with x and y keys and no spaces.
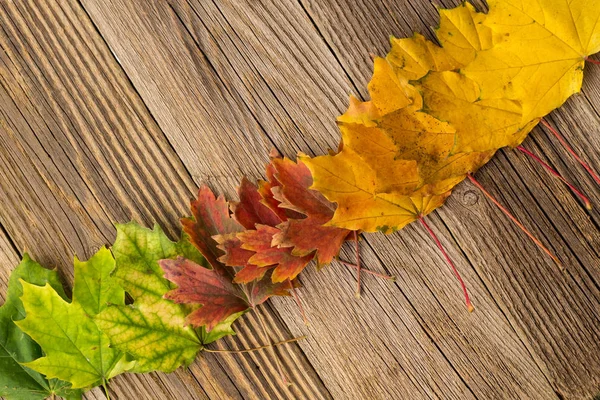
{"x":17,"y":382}
{"x":539,"y":54}
{"x":347,"y":180}
{"x":213,"y":231}
{"x":75,"y":350}
{"x":214,"y":288}
{"x":415,"y":57}
{"x":481,"y":124}
{"x":267,"y":188}
{"x":152,"y":329}
{"x":309,"y":234}
{"x":236,"y":256}
{"x":286,"y":266}
{"x":211,"y":217}
{"x":463,"y":34}
{"x":219,"y":296}
{"x":250,"y":210}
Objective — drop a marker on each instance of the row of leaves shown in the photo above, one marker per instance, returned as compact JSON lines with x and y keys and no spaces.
{"x":436,"y":114}
{"x":50,"y":346}
{"x":439,"y":113}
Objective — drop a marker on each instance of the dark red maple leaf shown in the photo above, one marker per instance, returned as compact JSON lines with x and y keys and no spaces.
{"x":311,"y":233}
{"x":266,"y":190}
{"x":214,"y":288}
{"x":250,"y":210}
{"x":210,"y":217}
{"x":287,"y":266}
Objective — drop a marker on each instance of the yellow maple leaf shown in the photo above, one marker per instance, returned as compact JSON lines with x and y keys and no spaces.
{"x":540,"y":59}
{"x":463,"y":34}
{"x":481,"y":124}
{"x":348,"y":181}
{"x":414,"y":57}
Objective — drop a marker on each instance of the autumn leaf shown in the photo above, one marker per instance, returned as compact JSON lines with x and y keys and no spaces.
{"x":210,"y":217}
{"x":413,"y":58}
{"x":346,"y":179}
{"x":540,"y":58}
{"x":17,"y":382}
{"x":265,"y":189}
{"x":463,"y":34}
{"x":310,"y":233}
{"x":219,"y":297}
{"x":251,"y":210}
{"x":75,"y":350}
{"x":214,"y":288}
{"x":152,"y":329}
{"x":481,"y":124}
{"x":265,"y":254}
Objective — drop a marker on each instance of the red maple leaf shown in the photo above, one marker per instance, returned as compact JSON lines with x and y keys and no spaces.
{"x":215,"y":291}
{"x":214,"y":288}
{"x":311,"y":233}
{"x":287,"y":266}
{"x":250,"y":210}
{"x":210,"y":217}
{"x":253,"y":249}
{"x":236,"y":256}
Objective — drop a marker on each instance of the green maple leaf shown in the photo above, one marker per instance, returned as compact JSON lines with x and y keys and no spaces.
{"x":75,"y":349}
{"x":18,"y":382}
{"x":153,"y":330}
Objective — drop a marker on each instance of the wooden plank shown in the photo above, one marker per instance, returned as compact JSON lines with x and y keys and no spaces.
{"x":9,"y":258}
{"x":79,"y":150}
{"x":269,"y":55}
{"x":360,"y":331}
{"x":554,"y":314}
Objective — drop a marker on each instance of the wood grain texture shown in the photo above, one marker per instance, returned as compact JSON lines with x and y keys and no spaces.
{"x":117,"y":109}
{"x":555,"y":314}
{"x":78,"y":151}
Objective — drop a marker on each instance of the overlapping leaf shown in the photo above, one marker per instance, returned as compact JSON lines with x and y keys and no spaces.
{"x":214,"y":288}
{"x":152,"y":329}
{"x":18,"y":382}
{"x":310,"y":233}
{"x":75,"y":350}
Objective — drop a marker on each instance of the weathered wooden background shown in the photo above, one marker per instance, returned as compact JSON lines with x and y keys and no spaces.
{"x":112,"y":110}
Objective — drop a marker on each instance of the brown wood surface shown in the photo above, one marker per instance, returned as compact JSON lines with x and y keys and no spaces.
{"x":112,"y":110}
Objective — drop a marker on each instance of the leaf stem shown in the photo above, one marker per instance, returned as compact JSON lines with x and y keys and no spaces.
{"x":366,"y":271}
{"x":284,"y":379}
{"x":470,"y":307}
{"x":570,"y":150}
{"x":358,"y":266}
{"x":105,"y":389}
{"x":592,"y":61}
{"x":292,"y":340}
{"x":584,"y":198}
{"x":513,"y":219}
{"x":298,"y":302}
